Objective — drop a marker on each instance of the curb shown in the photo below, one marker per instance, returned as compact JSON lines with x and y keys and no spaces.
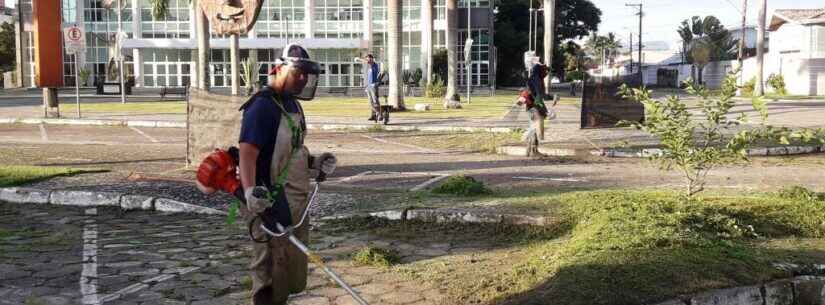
{"x":521,"y":151}
{"x":87,"y":198}
{"x":94,"y":122}
{"x":449,"y":215}
{"x":804,"y":289}
{"x":181,"y":124}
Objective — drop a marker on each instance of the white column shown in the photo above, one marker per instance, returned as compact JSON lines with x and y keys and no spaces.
{"x":367,"y":28}
{"x":309,"y":18}
{"x":426,"y":39}
{"x":137,"y":61}
{"x":136,"y":31}
{"x":202,"y":37}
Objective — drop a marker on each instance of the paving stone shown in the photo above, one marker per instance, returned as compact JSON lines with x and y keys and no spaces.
{"x":375,"y":288}
{"x":309,"y":300}
{"x":808,"y":290}
{"x":329,"y":292}
{"x":397,"y":297}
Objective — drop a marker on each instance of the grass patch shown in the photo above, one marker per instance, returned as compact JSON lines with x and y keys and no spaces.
{"x":160,"y":107}
{"x":377,"y":257}
{"x":15,"y":175}
{"x":481,"y":107}
{"x":800,"y":193}
{"x":461,"y":185}
{"x":485,"y":142}
{"x":626,"y":247}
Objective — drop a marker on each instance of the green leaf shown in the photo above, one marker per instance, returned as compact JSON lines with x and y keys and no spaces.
{"x":784,"y":140}
{"x":760,"y":105}
{"x":232,"y":214}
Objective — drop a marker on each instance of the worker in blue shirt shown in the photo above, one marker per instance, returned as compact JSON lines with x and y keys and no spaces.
{"x":372,"y":82}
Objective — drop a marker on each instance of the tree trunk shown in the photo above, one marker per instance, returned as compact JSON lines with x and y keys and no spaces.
{"x":202,"y":26}
{"x":549,"y":39}
{"x":234,"y":57}
{"x":396,"y":97}
{"x":760,"y":48}
{"x":426,"y":40}
{"x":452,"y":56}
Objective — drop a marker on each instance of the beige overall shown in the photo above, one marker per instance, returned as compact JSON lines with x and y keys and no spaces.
{"x":278,"y":268}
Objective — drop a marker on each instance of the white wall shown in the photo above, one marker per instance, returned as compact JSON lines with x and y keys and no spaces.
{"x":791,"y":38}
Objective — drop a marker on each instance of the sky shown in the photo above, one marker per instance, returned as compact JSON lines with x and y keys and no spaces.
{"x":663,"y":17}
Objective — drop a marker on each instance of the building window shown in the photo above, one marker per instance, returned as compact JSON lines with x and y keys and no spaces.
{"x":175,"y":25}
{"x":474,"y":3}
{"x":220,"y":68}
{"x":97,"y":18}
{"x":338,"y":18}
{"x":440,"y":10}
{"x":69,"y":66}
{"x":69,"y":11}
{"x":167,"y":68}
{"x":339,"y":68}
{"x":279,"y":18}
{"x":480,"y":56}
{"x":29,"y":58}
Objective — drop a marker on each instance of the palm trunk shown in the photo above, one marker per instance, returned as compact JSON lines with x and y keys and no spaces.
{"x":549,"y":39}
{"x":202,"y":26}
{"x":760,"y":49}
{"x":396,"y":99}
{"x":452,"y":56}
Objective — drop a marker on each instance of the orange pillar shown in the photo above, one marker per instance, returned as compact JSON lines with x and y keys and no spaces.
{"x":48,"y":45}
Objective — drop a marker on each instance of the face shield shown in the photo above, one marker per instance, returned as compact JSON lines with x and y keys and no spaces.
{"x":295,"y":67}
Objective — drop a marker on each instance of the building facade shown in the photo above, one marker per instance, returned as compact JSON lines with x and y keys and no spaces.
{"x":163,"y":53}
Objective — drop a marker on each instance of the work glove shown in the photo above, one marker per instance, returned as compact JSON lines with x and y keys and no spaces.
{"x":255,"y":204}
{"x":326,"y":163}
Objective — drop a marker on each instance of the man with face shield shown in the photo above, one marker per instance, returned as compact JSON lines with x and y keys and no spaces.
{"x":273,"y":157}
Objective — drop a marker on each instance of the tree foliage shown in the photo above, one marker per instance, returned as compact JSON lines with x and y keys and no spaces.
{"x":695,"y":145}
{"x":706,"y":40}
{"x":601,"y":48}
{"x":575,"y":19}
{"x":7,"y":47}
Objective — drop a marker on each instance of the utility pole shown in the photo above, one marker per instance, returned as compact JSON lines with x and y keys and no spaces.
{"x":630,"y":44}
{"x":641,"y":62}
{"x":742,"y":40}
{"x":469,"y":59}
{"x":760,"y":48}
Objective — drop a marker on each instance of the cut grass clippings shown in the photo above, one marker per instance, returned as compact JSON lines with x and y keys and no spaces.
{"x":461,"y":185}
{"x":626,"y":247}
{"x":16,"y":175}
{"x":376,"y":257}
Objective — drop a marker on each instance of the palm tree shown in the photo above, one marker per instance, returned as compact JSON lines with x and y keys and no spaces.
{"x":396,"y":98}
{"x":452,"y":56}
{"x":603,"y":48}
{"x":705,"y":40}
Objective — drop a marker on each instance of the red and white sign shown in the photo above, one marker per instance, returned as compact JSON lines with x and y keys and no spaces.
{"x":74,"y":39}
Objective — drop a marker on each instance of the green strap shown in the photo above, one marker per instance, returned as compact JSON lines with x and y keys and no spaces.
{"x":296,"y":141}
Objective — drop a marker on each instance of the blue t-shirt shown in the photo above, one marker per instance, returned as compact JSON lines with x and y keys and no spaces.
{"x":372,"y":73}
{"x":259,"y":127}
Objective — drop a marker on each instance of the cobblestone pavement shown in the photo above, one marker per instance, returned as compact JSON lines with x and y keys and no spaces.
{"x":67,"y":255}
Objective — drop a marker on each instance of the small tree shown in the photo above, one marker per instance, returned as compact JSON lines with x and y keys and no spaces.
{"x":777,"y":82}
{"x":697,"y":146}
{"x":250,"y":74}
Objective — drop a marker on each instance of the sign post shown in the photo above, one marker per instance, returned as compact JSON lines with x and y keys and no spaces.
{"x":75,"y":41}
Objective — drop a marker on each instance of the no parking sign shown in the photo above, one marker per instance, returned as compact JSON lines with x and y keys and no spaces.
{"x":74,"y":38}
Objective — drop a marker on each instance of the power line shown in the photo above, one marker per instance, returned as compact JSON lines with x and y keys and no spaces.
{"x":735,"y":7}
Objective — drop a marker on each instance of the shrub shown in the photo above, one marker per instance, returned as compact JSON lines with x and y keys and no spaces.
{"x":749,"y":87}
{"x":696,"y":146}
{"x":797,"y":192}
{"x":372,"y":256}
{"x":462,"y":186}
{"x":777,"y":82}
{"x":436,"y":88}
{"x":575,"y":75}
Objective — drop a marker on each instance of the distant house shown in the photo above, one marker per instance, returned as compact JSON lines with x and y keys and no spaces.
{"x":798,"y":49}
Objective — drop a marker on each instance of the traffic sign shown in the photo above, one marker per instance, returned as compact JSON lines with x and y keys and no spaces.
{"x":75,"y":39}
